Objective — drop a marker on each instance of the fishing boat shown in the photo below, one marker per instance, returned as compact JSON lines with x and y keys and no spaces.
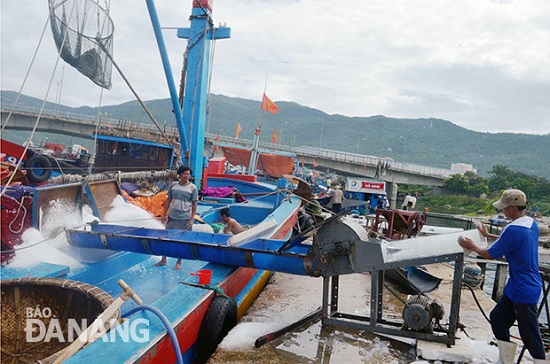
{"x":49,"y":160}
{"x":169,"y":315}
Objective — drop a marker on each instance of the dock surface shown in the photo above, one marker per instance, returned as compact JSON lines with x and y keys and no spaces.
{"x":287,"y":298}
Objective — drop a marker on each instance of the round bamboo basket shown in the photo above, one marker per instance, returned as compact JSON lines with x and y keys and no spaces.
{"x":63,"y":301}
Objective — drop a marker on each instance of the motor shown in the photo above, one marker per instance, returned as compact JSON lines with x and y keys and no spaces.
{"x":420,"y":313}
{"x":473,"y":275}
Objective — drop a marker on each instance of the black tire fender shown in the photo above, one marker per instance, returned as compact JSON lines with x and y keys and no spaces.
{"x":39,"y":168}
{"x":219,"y":319}
{"x":304,"y":221}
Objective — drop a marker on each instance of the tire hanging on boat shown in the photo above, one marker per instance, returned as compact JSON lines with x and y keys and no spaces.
{"x":303,"y":222}
{"x":39,"y":168}
{"x":219,"y":319}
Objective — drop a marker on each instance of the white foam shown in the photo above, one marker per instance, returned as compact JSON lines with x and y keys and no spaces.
{"x":62,"y":214}
{"x":244,"y":335}
{"x":126,"y":214}
{"x":50,"y":244}
{"x":36,"y":248}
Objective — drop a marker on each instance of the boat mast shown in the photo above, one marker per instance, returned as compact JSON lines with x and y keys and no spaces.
{"x":255,"y":146}
{"x":182,"y":129}
{"x":200,"y":35}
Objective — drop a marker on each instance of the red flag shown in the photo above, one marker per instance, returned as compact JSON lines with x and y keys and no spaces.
{"x":269,"y":105}
{"x":274,"y":136}
{"x":238,"y":129}
{"x":314,"y":163}
{"x":216,"y":148}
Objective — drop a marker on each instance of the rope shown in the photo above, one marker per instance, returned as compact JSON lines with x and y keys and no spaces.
{"x":27,"y":144}
{"x":37,"y":243}
{"x":164,"y":136}
{"x":28,"y":71}
{"x":247,"y":201}
{"x":308,"y":201}
{"x":210,"y":73}
{"x":94,"y":148}
{"x":212,"y":287}
{"x":58,"y":166}
{"x":21,"y":207}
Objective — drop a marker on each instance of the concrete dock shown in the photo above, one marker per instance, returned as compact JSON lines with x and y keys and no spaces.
{"x":287,"y":298}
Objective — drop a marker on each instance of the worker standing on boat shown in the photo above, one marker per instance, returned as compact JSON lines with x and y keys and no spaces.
{"x":518,"y":242}
{"x":337,"y":196}
{"x":232,"y":226}
{"x":182,"y":203}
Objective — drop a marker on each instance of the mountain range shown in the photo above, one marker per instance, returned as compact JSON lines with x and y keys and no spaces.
{"x":425,"y":141}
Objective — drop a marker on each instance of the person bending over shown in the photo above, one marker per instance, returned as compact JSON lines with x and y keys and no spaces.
{"x":231,"y":225}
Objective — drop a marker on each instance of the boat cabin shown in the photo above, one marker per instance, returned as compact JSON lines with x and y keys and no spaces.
{"x":129,"y":154}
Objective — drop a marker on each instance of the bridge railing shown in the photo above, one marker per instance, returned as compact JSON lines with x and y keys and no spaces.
{"x":374,"y":160}
{"x":345,"y":157}
{"x":108,"y":122}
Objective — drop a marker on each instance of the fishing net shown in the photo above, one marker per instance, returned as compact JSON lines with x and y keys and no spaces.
{"x":83,"y":33}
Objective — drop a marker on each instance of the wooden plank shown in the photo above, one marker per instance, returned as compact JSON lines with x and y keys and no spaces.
{"x":101,"y":195}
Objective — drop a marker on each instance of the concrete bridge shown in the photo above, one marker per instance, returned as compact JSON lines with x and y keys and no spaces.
{"x":350,"y":164}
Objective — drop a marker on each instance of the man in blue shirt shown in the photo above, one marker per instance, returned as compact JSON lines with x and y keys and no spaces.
{"x":518,"y":242}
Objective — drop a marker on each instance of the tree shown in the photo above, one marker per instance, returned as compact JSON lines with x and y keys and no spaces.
{"x":457,"y":183}
{"x":478,"y":189}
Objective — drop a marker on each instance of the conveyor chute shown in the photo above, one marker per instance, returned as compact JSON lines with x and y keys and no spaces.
{"x":339,"y":247}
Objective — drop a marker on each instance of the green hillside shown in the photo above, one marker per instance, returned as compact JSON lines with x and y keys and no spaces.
{"x":432,"y":142}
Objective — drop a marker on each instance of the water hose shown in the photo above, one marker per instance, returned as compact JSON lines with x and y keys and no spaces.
{"x":169,"y":329}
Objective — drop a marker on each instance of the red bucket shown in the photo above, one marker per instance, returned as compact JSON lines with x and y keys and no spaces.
{"x":205,"y":275}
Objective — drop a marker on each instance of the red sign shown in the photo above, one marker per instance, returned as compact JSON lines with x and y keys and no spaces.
{"x":373,"y":185}
{"x":366,"y":186}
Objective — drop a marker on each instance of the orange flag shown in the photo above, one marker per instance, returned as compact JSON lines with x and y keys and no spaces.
{"x":238,"y":129}
{"x":269,"y":105}
{"x":216,"y":148}
{"x":274,"y":136}
{"x":315,"y":163}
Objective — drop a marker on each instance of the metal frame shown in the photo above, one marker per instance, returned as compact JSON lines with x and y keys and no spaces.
{"x":376,"y":323}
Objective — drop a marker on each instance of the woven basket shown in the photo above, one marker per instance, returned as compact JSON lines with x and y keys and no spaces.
{"x":66,"y":300}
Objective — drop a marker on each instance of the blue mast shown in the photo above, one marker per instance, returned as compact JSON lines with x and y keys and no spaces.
{"x":184,"y":138}
{"x":200,"y":35}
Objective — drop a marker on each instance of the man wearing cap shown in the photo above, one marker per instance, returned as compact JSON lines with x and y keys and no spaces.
{"x":518,"y":242}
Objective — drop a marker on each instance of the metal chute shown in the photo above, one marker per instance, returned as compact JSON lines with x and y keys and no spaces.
{"x":83,"y":33}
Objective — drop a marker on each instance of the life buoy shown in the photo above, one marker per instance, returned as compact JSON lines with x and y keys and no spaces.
{"x":219,"y":319}
{"x":39,"y":168}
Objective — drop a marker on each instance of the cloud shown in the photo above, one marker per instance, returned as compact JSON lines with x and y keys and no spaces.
{"x":482,"y":64}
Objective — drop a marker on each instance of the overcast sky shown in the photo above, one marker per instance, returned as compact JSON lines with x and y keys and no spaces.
{"x":481,"y":64}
